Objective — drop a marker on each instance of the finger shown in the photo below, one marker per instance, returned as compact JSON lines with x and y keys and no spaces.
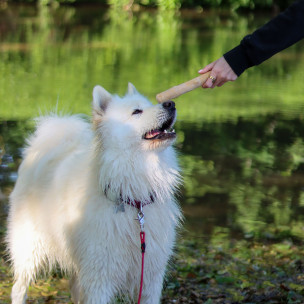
{"x":221,"y":83}
{"x":209,"y":82}
{"x":216,"y":82}
{"x":207,"y":68}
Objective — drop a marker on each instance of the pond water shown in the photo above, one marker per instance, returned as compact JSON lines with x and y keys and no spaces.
{"x":241,"y":146}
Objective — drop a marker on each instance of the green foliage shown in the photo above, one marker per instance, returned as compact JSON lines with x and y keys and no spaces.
{"x":168,"y":4}
{"x":120,"y":4}
{"x":173,"y":4}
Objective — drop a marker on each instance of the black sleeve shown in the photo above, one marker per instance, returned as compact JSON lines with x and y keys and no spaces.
{"x":278,"y":34}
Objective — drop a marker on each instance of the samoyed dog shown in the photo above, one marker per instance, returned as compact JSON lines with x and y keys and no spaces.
{"x":81,"y":186}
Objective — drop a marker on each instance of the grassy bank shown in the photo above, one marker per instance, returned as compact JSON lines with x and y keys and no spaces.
{"x":214,"y":271}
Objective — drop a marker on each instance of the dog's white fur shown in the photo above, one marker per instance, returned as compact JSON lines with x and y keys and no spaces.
{"x":60,"y":215}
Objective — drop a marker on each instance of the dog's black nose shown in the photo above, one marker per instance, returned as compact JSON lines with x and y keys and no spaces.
{"x":169,"y":105}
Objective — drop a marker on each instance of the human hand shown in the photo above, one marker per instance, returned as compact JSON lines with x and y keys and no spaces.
{"x":220,"y":73}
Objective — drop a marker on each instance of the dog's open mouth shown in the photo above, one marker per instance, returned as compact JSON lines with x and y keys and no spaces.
{"x":164,"y":132}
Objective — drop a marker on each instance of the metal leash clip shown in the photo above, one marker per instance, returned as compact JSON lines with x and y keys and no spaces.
{"x":141,"y":218}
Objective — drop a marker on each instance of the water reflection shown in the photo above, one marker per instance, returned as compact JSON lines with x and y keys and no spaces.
{"x":247,"y":175}
{"x":241,"y":145}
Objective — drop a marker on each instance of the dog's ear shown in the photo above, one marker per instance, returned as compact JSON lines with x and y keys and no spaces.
{"x":131,"y":89}
{"x":101,"y":99}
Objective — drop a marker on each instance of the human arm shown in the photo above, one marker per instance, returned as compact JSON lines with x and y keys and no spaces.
{"x":279,"y":33}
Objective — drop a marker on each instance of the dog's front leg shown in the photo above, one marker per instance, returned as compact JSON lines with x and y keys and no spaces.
{"x":93,"y":291}
{"x":75,"y":289}
{"x":152,"y":290}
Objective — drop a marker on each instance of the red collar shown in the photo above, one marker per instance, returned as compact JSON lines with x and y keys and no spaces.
{"x":138,"y":204}
{"x":134,"y":203}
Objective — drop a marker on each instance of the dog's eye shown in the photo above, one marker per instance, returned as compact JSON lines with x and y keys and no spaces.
{"x":137,"y":111}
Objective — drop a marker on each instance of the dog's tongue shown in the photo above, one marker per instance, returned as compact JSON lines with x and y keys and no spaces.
{"x":152,"y":133}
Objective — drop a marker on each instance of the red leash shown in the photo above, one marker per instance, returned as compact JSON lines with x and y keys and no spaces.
{"x":141,"y":220}
{"x":143,"y":248}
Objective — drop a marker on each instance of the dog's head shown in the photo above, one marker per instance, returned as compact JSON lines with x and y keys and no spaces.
{"x":132,"y":121}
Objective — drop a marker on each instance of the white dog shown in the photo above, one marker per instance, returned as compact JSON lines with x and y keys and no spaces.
{"x":78,"y":193}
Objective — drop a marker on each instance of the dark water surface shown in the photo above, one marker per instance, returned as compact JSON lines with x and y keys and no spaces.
{"x":241,"y":145}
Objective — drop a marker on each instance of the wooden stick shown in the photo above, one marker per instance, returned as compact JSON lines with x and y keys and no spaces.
{"x":182,"y":88}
